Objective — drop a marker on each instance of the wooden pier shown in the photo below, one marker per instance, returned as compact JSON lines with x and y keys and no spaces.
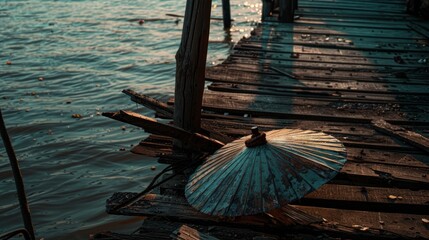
{"x":358,"y":70}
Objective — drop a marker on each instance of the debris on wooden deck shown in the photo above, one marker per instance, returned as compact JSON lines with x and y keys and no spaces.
{"x":339,"y":68}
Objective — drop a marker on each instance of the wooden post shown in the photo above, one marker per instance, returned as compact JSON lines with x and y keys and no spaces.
{"x":25,"y":210}
{"x":191,"y":65}
{"x":267,"y":7}
{"x":286,"y":11}
{"x":226,"y":11}
{"x":295,"y":4}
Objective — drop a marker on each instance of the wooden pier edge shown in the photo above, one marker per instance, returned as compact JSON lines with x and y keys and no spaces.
{"x":340,"y":68}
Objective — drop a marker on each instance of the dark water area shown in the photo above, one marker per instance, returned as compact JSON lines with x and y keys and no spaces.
{"x":75,"y":57}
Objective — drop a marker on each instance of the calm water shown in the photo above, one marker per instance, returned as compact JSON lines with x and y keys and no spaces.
{"x":75,"y":57}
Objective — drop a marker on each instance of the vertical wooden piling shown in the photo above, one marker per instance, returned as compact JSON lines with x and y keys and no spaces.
{"x":226,"y":11}
{"x":191,"y":64}
{"x":22,"y":198}
{"x":267,"y":6}
{"x":286,"y":11}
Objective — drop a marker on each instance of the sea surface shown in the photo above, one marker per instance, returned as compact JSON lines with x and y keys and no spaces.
{"x":74,"y":57}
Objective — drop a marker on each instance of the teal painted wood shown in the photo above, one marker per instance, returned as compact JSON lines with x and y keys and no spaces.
{"x":238,"y":181}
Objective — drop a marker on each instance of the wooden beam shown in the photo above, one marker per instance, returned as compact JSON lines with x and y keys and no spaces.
{"x":187,"y":233}
{"x":166,"y":111}
{"x":191,"y":64}
{"x":286,"y":11}
{"x":151,"y":103}
{"x":19,"y":182}
{"x":409,"y":137}
{"x":190,"y":141}
{"x":226,"y":11}
{"x":267,"y":7}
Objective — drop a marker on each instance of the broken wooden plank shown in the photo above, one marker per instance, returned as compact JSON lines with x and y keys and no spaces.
{"x":177,"y":209}
{"x":167,"y":111}
{"x":410,"y":137}
{"x":191,"y":141}
{"x":156,"y":225}
{"x":149,"y":102}
{"x":185,"y":232}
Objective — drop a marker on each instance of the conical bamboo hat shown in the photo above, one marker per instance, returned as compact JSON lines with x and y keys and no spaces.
{"x":238,"y":180}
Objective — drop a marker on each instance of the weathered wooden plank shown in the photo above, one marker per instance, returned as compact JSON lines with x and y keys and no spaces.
{"x":351,"y":135}
{"x":340,"y":60}
{"x":255,"y":50}
{"x":185,"y":232}
{"x":307,"y":73}
{"x":369,"y":7}
{"x":410,"y":137}
{"x":167,"y":112}
{"x":403,"y":48}
{"x":271,"y":75}
{"x":364,"y":155}
{"x":149,"y":102}
{"x":282,"y":108}
{"x":289,"y":29}
{"x":315,"y":97}
{"x":379,"y":199}
{"x":154,"y":225}
{"x":191,"y":141}
{"x":403,"y":225}
{"x":350,"y":14}
{"x":377,"y":173}
{"x":370,"y":174}
{"x":275,"y":50}
{"x":257,"y":75}
{"x":328,"y":22}
{"x":338,"y":40}
{"x":310,"y":62}
{"x":176,"y":208}
{"x":388,"y":23}
{"x":369,"y":199}
{"x":152,"y":149}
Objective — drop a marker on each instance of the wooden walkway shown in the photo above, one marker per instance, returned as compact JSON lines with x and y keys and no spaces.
{"x":339,"y":67}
